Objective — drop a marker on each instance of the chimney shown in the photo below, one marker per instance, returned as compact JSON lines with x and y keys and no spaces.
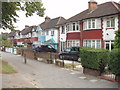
{"x":47,"y":19}
{"x":92,"y":4}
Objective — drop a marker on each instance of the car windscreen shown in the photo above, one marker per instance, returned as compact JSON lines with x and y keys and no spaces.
{"x":75,"y":49}
{"x":67,"y":50}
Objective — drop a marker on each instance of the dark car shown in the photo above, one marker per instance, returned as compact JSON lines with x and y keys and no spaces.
{"x":72,"y":53}
{"x":45,"y":48}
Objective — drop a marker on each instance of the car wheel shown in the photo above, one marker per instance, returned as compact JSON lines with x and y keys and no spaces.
{"x":61,"y":57}
{"x":79,"y":59}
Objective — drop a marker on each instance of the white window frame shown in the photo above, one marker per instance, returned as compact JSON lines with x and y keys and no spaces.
{"x":72,"y":43}
{"x":73,"y":27}
{"x":91,"y":24}
{"x":47,"y":32}
{"x":52,"y":33}
{"x":62,"y":29}
{"x":90,"y":44}
{"x":110,"y":22}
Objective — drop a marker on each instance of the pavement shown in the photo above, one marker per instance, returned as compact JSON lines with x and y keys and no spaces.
{"x":41,"y":75}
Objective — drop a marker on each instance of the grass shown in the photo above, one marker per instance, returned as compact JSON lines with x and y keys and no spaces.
{"x":6,"y":68}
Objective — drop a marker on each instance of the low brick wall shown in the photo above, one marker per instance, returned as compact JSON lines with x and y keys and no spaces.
{"x":20,"y":51}
{"x":35,"y":55}
{"x":91,"y":72}
{"x":47,"y":55}
{"x":29,"y":53}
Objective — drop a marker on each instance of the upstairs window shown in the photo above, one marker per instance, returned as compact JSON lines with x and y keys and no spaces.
{"x":52,"y":33}
{"x":90,"y":24}
{"x":63,"y":30}
{"x":72,"y":27}
{"x":110,"y":22}
{"x":47,"y":32}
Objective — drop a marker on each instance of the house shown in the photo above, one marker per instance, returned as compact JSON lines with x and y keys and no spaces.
{"x":29,"y":35}
{"x":11,"y":38}
{"x":94,"y":27}
{"x":49,"y":32}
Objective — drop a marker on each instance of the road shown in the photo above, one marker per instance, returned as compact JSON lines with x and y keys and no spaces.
{"x":41,"y":75}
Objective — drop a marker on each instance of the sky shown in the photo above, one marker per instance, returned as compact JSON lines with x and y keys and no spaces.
{"x":55,"y":8}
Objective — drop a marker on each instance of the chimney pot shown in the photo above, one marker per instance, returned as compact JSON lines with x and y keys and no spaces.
{"x":47,"y":19}
{"x":92,"y":4}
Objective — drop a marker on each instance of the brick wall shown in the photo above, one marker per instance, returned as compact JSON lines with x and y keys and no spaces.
{"x":34,"y":55}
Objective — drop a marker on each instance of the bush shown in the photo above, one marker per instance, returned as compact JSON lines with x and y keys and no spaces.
{"x":114,"y":61}
{"x":95,"y":59}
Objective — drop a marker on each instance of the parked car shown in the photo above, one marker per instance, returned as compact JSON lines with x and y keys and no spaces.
{"x":45,"y":48}
{"x":72,"y":53}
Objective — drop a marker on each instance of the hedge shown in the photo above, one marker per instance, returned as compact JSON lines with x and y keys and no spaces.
{"x":95,"y":59}
{"x":114,"y":61}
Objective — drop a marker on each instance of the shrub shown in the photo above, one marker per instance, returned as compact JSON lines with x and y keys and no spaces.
{"x":94,"y":58}
{"x":114,"y":61}
{"x":117,"y":39}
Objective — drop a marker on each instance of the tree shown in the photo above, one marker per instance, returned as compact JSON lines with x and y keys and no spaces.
{"x":117,"y":39}
{"x":9,"y":9}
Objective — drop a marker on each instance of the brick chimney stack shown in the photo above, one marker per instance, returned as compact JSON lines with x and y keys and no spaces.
{"x":92,"y":4}
{"x":47,"y":19}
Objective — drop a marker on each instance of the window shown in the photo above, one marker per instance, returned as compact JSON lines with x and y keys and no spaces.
{"x":52,"y":33}
{"x":71,"y":43}
{"x":92,"y":24}
{"x":89,"y":23}
{"x":68,"y":27}
{"x":42,"y":33}
{"x":110,"y":22}
{"x":98,"y":44}
{"x":72,"y":27}
{"x":63,"y":30}
{"x":47,"y":32}
{"x":92,"y":43}
{"x":77,"y":27}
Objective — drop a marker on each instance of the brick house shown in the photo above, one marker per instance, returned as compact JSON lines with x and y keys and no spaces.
{"x":94,"y":27}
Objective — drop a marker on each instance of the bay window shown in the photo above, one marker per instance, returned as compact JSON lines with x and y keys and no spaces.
{"x":72,"y":43}
{"x":72,"y":27}
{"x":110,"y":22}
{"x":92,"y":24}
{"x":92,"y":43}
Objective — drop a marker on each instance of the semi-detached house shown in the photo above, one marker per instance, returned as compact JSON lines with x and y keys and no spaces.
{"x":48,"y":32}
{"x":94,"y":27}
{"x":27,"y":35}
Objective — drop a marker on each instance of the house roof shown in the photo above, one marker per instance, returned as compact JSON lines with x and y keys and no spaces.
{"x":52,"y":23}
{"x":105,"y":9}
{"x":11,"y":34}
{"x":28,"y":30}
{"x":5,"y":34}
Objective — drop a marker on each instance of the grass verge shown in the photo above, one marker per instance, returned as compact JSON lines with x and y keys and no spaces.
{"x":5,"y":68}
